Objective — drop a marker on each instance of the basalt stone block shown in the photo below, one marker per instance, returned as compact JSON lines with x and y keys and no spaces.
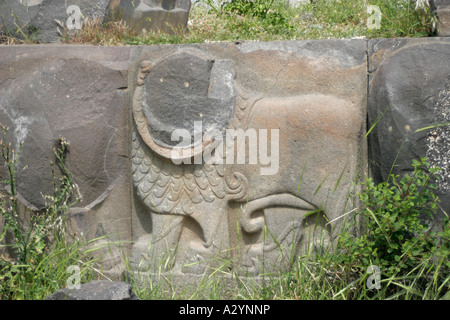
{"x":281,"y":131}
{"x":168,"y":16}
{"x":174,"y":97}
{"x":36,"y":18}
{"x":244,"y":151}
{"x":96,"y":290}
{"x":441,"y":8}
{"x":77,"y":93}
{"x":409,"y":84}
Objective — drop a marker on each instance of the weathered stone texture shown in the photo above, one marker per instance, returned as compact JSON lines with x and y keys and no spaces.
{"x":312,"y":97}
{"x":304,"y":104}
{"x":441,"y":8}
{"x":168,"y":16}
{"x":96,"y":290}
{"x":36,"y":18}
{"x":78,"y":93}
{"x":409,"y":81}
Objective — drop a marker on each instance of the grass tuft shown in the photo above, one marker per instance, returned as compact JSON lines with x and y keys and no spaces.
{"x":261,"y":20}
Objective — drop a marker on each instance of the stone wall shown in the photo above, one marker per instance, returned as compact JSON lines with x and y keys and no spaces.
{"x":303,"y":105}
{"x":409,"y":80}
{"x":310,"y":97}
{"x":36,"y":18}
{"x":47,"y":20}
{"x":78,"y":93}
{"x":441,"y":8}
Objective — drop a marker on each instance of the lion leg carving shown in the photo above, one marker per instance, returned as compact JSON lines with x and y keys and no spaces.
{"x":155,"y":252}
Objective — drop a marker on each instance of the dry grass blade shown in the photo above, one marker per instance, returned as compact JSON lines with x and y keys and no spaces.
{"x":94,"y":31}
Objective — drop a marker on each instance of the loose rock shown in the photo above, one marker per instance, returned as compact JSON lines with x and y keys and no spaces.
{"x":96,"y":290}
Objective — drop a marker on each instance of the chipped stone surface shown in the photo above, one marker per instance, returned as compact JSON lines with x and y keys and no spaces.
{"x":185,"y":88}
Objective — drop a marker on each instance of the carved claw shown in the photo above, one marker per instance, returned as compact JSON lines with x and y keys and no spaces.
{"x":252,"y":225}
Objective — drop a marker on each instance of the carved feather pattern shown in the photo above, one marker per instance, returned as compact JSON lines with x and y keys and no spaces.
{"x":244,"y":105}
{"x":167,"y":188}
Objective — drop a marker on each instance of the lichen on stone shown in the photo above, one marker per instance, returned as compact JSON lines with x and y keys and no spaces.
{"x":438,"y":139}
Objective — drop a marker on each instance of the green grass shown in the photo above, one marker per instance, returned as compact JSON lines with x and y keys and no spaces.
{"x":322,"y":272}
{"x":265,"y":20}
{"x":322,"y":20}
{"x":314,"y":276}
{"x":36,"y":249}
{"x":413,"y":262}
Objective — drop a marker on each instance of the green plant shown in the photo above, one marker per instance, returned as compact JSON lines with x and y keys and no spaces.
{"x":339,"y":12}
{"x":403,"y":18}
{"x":40,"y":253}
{"x":255,"y":8}
{"x":267,"y":20}
{"x":27,"y":33}
{"x":395,"y":234}
{"x":270,"y":14}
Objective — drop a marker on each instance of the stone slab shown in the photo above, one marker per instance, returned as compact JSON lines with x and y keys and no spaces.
{"x":96,"y":290}
{"x":441,"y":8}
{"x":36,"y":18}
{"x":167,"y":16}
{"x":409,"y":80}
{"x":118,"y":105}
{"x":311,"y":93}
{"x":78,"y":93}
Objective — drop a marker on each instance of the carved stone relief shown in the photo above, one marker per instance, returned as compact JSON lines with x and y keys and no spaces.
{"x":202,"y":210}
{"x":44,"y":96}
